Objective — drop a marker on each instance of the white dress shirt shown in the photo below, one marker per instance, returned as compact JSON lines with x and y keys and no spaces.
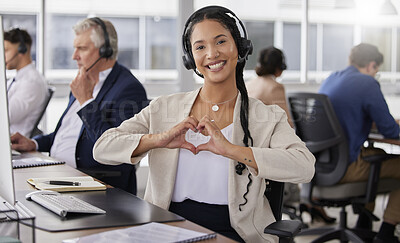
{"x":202,"y":177}
{"x":64,"y":145}
{"x":26,"y":96}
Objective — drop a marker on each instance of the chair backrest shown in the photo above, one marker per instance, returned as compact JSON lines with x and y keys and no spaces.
{"x":274,"y":194}
{"x":35,"y":131}
{"x":317,"y":125}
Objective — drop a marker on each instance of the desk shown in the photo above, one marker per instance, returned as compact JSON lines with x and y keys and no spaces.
{"x":20,"y":177}
{"x":373,"y":137}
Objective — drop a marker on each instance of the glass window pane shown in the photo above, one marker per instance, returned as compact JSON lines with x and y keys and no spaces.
{"x":291,"y":45}
{"x":337,"y":43}
{"x":160,"y":43}
{"x":60,"y":45}
{"x":261,"y":35}
{"x":398,"y":51}
{"x":312,"y":47}
{"x":128,"y":41}
{"x":26,"y":22}
{"x":380,"y":37}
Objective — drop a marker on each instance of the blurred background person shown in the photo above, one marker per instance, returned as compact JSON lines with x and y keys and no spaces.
{"x":27,"y":90}
{"x":270,"y":65}
{"x":358,"y":101}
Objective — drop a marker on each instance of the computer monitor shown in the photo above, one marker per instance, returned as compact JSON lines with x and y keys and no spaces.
{"x":6,"y":173}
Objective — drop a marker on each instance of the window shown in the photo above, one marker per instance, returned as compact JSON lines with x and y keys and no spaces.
{"x":261,"y":35}
{"x":161,"y":43}
{"x":26,"y":22}
{"x":337,"y":43}
{"x":128,"y":41}
{"x":292,"y":45}
{"x":381,"y":38}
{"x":60,"y":41}
{"x":398,"y":51}
{"x":312,"y":47}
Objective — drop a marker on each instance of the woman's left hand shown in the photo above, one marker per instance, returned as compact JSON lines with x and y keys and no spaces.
{"x":217,"y":144}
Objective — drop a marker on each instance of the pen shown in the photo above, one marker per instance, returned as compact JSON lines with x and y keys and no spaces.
{"x":64,"y":183}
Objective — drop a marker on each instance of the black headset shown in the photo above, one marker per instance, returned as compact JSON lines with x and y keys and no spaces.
{"x":283,"y":66}
{"x":22,"y":46}
{"x":105,"y":50}
{"x":188,"y":60}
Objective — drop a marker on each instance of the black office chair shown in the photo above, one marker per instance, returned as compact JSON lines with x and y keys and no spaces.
{"x":317,"y":125}
{"x":36,"y":131}
{"x":286,"y":230}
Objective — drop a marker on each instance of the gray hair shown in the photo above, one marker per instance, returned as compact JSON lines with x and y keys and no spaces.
{"x":97,"y":35}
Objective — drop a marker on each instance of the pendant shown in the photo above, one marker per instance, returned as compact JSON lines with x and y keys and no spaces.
{"x":215,"y":107}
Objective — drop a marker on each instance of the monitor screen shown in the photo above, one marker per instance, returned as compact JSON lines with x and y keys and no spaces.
{"x":6,"y":175}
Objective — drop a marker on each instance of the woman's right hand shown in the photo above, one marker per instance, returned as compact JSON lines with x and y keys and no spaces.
{"x":175,"y":137}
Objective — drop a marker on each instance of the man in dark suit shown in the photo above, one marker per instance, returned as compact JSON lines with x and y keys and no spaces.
{"x":103,"y":94}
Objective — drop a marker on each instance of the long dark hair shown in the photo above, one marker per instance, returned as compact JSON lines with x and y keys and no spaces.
{"x":221,"y":15}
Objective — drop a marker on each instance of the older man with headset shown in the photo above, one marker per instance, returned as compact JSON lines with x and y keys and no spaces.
{"x":103,"y":94}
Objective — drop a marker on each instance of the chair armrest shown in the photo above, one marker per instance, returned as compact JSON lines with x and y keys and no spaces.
{"x":284,"y":228}
{"x":373,"y":179}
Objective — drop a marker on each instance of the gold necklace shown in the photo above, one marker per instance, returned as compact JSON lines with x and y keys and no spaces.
{"x":215,"y":106}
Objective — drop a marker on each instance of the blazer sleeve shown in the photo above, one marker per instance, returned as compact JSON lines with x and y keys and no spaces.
{"x":115,"y":146}
{"x":285,"y":157}
{"x":97,"y":117}
{"x":44,"y":141}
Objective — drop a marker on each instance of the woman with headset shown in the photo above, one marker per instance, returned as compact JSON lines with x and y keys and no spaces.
{"x":210,"y":150}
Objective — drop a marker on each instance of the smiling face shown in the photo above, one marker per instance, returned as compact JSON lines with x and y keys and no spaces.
{"x":214,"y":51}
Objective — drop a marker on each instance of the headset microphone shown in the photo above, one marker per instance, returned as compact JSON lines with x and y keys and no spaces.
{"x":98,"y":59}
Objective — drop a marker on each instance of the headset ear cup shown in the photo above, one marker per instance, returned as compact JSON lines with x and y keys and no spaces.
{"x":188,"y":62}
{"x":105,"y":51}
{"x":22,"y":48}
{"x":250,"y":47}
{"x":247,"y":49}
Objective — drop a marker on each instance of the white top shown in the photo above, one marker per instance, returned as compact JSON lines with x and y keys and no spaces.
{"x":202,"y":177}
{"x":64,"y":145}
{"x":26,"y":97}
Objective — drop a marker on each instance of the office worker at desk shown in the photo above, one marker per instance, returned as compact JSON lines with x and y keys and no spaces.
{"x":103,"y":94}
{"x":26,"y":92}
{"x":358,"y":102}
{"x":210,"y":150}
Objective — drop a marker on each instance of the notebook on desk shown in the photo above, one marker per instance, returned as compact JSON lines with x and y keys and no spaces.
{"x":18,"y":162}
{"x":84,"y":183}
{"x":147,"y":233}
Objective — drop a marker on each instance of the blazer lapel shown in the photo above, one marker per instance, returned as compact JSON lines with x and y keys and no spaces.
{"x":184,"y":112}
{"x":233,"y":186}
{"x":108,"y":83}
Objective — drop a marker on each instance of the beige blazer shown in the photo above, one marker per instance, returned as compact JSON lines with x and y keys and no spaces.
{"x":279,"y":154}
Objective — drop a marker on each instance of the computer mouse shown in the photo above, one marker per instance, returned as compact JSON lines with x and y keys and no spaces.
{"x":29,"y":195}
